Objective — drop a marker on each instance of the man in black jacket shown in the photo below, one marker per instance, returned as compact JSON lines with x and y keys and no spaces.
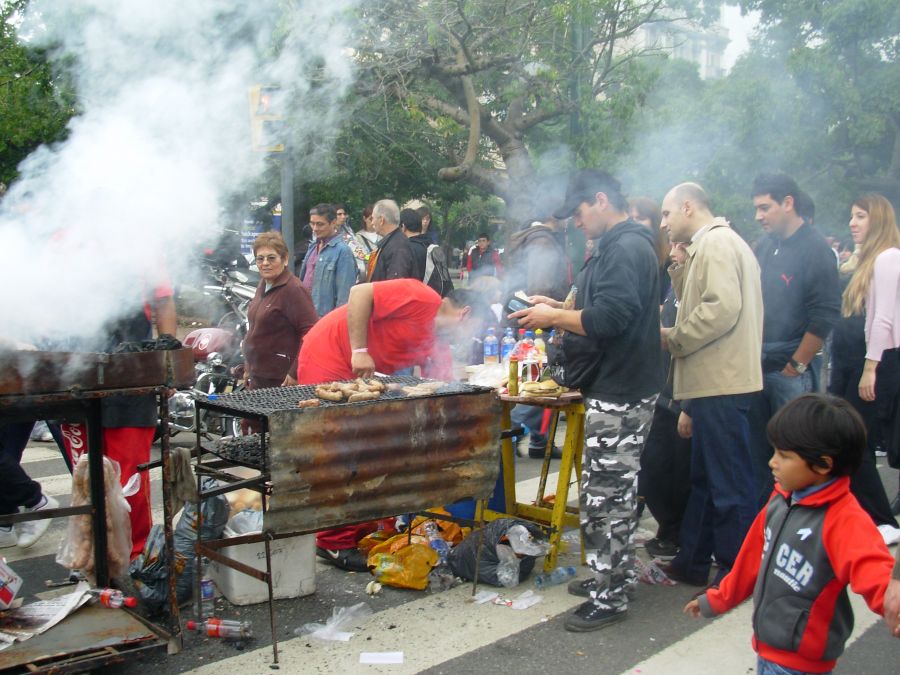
{"x":394,"y":258}
{"x":801,"y":302}
{"x":616,"y":310}
{"x":436,"y":275}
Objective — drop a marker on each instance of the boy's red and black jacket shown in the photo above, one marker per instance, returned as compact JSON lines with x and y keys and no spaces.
{"x":797,"y":560}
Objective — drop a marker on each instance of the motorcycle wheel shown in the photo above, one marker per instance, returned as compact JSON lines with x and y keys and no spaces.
{"x":231,"y":321}
{"x":231,"y":426}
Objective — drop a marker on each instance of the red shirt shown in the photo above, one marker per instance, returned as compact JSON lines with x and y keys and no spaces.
{"x":400,"y":335}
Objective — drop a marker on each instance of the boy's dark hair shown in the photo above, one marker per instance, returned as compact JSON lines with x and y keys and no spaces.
{"x":411,"y":220}
{"x":776,"y":185}
{"x":819,"y":425}
{"x":484,"y":235}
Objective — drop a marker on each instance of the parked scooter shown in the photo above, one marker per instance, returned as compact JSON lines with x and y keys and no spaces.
{"x":216,"y":351}
{"x":234,"y":288}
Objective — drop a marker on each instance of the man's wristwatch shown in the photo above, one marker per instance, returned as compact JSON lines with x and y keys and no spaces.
{"x":799,"y":367}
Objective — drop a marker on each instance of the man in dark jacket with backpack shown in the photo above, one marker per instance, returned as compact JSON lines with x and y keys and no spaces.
{"x":431,"y":267}
{"x":611,"y":347}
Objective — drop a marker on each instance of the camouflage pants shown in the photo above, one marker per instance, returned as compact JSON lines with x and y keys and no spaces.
{"x":614,"y":436}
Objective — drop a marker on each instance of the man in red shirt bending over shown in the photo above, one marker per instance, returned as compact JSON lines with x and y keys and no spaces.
{"x":385,"y":327}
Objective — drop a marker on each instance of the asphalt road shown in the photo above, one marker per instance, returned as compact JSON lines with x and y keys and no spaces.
{"x":447,"y":633}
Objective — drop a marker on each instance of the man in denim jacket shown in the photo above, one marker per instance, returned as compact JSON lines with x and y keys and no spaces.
{"x":329,"y":268}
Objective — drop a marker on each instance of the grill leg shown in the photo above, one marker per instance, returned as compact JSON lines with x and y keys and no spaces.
{"x":267,"y":538}
{"x":98,"y":491}
{"x":480,"y":506}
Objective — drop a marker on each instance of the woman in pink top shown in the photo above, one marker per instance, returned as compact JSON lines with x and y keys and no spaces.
{"x":875,"y":290}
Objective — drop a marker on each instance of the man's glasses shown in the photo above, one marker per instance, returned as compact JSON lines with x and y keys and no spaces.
{"x":260,"y":259}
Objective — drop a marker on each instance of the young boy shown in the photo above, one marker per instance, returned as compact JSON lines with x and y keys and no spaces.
{"x":810,"y":541}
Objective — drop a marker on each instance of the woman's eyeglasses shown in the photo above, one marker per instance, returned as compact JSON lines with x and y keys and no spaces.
{"x":260,"y":259}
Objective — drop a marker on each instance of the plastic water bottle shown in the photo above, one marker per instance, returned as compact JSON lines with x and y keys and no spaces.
{"x":223,"y":628}
{"x":558,"y":576}
{"x":507,"y":345}
{"x":207,"y":592}
{"x":437,"y":542}
{"x":491,"y":348}
{"x":113,"y":598}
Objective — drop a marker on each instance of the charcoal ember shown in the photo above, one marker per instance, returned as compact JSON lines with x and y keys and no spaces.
{"x":127,"y":348}
{"x":244,"y":449}
{"x":162,"y":343}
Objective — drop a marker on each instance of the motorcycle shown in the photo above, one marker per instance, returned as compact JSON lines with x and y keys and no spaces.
{"x":216,"y":351}
{"x":234,"y":288}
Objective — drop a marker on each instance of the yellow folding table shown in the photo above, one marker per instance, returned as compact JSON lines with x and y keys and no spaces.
{"x":553,"y":514}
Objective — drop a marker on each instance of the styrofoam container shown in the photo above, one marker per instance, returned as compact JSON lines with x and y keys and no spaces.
{"x":293,"y":570}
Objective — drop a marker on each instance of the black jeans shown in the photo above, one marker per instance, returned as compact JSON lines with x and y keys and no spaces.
{"x":16,"y":488}
{"x":865,"y":484}
{"x":665,"y":478}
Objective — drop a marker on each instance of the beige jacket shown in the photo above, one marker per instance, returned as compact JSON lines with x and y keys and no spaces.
{"x":716,"y":343}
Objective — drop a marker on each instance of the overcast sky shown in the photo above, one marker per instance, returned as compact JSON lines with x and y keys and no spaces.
{"x":739,"y":29}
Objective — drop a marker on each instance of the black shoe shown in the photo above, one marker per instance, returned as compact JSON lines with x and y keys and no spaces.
{"x":895,"y":505}
{"x":662,"y":549}
{"x":676,"y":574}
{"x":350,"y":559}
{"x":590,"y":617}
{"x":538,"y":452}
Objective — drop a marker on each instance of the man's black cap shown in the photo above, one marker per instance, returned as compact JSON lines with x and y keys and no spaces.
{"x":583,"y":187}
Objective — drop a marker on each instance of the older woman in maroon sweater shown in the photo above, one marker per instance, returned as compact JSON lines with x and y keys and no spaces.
{"x":280,"y":315}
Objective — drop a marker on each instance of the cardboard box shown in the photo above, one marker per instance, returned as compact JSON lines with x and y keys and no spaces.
{"x":293,"y":570}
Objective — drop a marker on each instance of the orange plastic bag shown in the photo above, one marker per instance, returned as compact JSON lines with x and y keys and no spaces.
{"x":408,"y":567}
{"x":395,"y":543}
{"x":450,"y":531}
{"x":377,"y":537}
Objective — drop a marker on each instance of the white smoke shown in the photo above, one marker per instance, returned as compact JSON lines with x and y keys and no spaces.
{"x":162,"y":140}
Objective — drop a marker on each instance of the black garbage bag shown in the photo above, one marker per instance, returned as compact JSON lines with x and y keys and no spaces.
{"x":149,"y":569}
{"x":462,"y":557}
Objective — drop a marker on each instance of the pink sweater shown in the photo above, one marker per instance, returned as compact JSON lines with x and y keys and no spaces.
{"x":883,"y":305}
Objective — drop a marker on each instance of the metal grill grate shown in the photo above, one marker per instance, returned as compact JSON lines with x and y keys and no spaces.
{"x":268,"y":401}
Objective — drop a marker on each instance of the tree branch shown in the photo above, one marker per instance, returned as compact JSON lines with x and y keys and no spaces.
{"x":473,"y":108}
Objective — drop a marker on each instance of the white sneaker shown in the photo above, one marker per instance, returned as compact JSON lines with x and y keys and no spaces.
{"x":32,"y":530}
{"x":890,"y":534}
{"x":41,"y":433}
{"x":8,"y":537}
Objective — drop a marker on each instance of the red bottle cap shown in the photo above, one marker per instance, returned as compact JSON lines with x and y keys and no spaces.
{"x":192,"y":625}
{"x":130,"y":602}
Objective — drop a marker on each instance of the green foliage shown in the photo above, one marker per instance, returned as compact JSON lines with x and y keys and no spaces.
{"x":36,"y":103}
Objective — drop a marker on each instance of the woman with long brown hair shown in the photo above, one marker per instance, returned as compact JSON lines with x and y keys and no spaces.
{"x":866,"y":367}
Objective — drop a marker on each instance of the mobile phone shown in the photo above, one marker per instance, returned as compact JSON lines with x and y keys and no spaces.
{"x":516,"y":304}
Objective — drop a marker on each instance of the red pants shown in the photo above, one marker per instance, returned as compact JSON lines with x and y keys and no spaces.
{"x":129,"y":446}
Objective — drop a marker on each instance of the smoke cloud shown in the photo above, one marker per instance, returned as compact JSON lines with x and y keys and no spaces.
{"x":162,"y":141}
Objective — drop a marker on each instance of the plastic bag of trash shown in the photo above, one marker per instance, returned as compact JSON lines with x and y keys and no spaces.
{"x":77,"y":549}
{"x":248,"y":521}
{"x":507,"y":566}
{"x":523,"y":543}
{"x":462,"y":557}
{"x":407,"y":567}
{"x":336,"y":627}
{"x":149,"y":568}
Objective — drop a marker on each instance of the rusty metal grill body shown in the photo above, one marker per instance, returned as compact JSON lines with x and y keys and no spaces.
{"x":38,"y":385}
{"x":342,"y":463}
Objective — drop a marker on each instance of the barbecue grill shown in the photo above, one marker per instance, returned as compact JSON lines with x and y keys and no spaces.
{"x":38,"y":385}
{"x":342,"y":463}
